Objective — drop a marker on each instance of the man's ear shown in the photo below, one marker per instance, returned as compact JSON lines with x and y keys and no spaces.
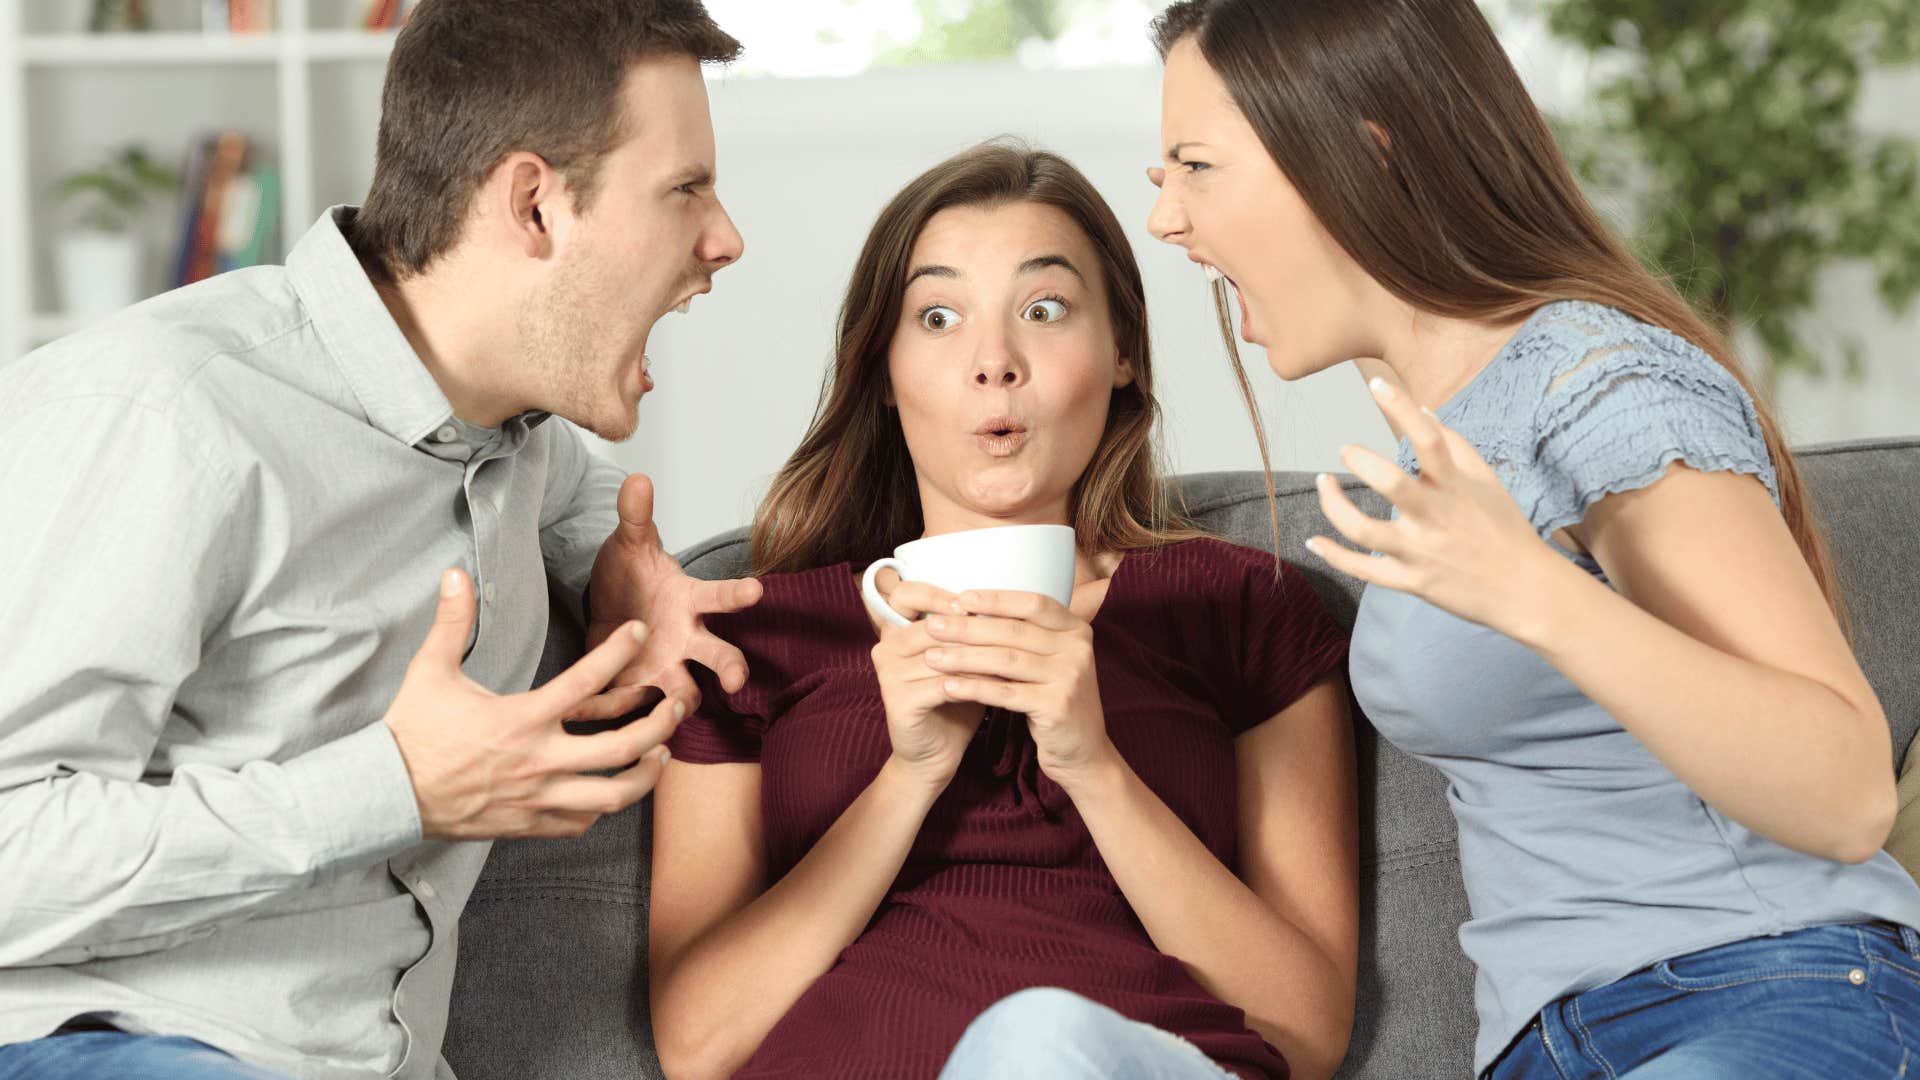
{"x":1123,"y":374}
{"x":532,"y":198}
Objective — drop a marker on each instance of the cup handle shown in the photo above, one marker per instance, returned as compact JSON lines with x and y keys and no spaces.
{"x":875,"y":601}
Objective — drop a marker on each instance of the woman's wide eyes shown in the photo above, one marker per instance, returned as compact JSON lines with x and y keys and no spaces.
{"x":939,"y":318}
{"x":1046,"y":311}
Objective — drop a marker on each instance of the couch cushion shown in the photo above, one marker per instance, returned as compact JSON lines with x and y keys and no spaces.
{"x":552,"y":977}
{"x":552,"y":974}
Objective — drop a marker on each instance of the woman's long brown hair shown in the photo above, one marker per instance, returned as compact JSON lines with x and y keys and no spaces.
{"x":849,"y":492}
{"x":1468,"y":210}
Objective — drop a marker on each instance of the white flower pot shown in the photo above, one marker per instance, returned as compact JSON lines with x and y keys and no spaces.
{"x":99,"y":273}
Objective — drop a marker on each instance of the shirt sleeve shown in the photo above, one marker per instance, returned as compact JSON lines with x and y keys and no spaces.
{"x":120,"y":542}
{"x":1623,"y":414}
{"x":580,"y":510}
{"x":1287,"y":641}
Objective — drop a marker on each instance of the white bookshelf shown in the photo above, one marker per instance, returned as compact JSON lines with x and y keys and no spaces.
{"x":306,"y":93}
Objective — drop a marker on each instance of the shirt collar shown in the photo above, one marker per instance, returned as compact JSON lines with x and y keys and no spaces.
{"x":359,"y":334}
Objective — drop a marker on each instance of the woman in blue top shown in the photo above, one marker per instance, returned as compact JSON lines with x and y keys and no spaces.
{"x":1602,"y":606}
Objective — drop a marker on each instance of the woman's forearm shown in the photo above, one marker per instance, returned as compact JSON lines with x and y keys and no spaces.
{"x":728,"y":988}
{"x":1244,"y":953}
{"x":1782,"y":754}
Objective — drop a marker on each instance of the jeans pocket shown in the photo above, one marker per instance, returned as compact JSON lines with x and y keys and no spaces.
{"x":1821,"y":953}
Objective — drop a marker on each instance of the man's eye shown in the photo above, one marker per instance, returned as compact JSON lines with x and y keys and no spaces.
{"x":939,"y":318}
{"x":1047,"y":311}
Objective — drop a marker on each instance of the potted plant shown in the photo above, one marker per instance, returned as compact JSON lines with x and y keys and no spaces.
{"x":100,"y":259}
{"x":1731,"y":126}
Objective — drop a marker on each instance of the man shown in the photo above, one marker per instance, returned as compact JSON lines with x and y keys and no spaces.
{"x":237,"y":808}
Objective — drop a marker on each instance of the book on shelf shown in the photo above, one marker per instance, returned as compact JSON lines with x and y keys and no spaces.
{"x":115,"y":16}
{"x":229,"y":209}
{"x":386,"y":14}
{"x":236,"y":16}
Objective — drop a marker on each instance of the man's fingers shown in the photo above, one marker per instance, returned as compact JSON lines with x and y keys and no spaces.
{"x":446,"y":643}
{"x":635,"y":502}
{"x":612,"y":704}
{"x":711,"y":597}
{"x":722,"y":659}
{"x":559,"y":825}
{"x":623,"y":746}
{"x":607,"y":794}
{"x":590,"y":674}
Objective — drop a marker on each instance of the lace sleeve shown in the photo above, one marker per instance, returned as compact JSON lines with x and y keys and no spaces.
{"x":1626,"y":411}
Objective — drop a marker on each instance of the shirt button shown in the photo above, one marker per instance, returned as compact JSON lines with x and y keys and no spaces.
{"x":446,"y":434}
{"x":1856,"y":976}
{"x":489,"y":592}
{"x":424,"y":888}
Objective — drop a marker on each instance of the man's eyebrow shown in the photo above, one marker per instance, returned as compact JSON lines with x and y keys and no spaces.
{"x":933,"y":270}
{"x":1042,"y":262}
{"x":1173,"y":152}
{"x":697,"y":175}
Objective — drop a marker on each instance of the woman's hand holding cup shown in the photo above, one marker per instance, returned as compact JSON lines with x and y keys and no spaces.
{"x":929,"y":729}
{"x":1031,"y":654}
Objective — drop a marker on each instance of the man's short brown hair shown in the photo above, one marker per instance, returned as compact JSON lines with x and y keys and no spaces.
{"x":471,"y":81}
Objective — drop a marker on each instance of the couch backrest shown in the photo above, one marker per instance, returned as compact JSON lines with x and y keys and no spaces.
{"x":539,"y":917}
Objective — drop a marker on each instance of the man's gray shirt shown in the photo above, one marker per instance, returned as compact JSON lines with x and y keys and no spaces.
{"x":224,"y":515}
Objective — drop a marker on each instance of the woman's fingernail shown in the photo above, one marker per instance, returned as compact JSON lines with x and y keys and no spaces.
{"x":1321,"y":479}
{"x":450,"y":583}
{"x":1428,"y":411}
{"x":934,"y":656}
{"x":1313,"y":544}
{"x":937,"y":624}
{"x":1380,"y":388}
{"x":966,"y":600}
{"x":638,"y":630}
{"x":679,"y":710}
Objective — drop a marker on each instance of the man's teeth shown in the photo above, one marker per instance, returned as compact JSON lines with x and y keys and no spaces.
{"x":1213,"y":273}
{"x":685,"y":306}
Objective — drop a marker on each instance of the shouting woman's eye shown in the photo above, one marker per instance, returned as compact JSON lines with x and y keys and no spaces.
{"x":938,"y":318}
{"x":1047,"y":310}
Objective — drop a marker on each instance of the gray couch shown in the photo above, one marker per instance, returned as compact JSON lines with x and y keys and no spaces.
{"x":552,"y":976}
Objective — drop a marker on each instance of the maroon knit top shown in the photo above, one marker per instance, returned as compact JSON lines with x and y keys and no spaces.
{"x":1004,"y":889}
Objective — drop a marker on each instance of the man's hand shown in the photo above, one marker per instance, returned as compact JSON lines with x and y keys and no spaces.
{"x":635,"y":578}
{"x":487,"y":766}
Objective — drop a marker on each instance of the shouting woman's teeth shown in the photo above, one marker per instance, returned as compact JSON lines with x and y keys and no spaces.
{"x":1213,"y":273}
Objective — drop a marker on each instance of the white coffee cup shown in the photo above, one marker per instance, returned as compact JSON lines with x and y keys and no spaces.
{"x":1020,"y":558}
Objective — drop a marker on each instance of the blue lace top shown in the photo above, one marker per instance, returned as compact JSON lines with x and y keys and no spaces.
{"x":1584,"y":858}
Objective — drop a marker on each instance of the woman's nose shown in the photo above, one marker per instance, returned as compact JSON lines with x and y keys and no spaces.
{"x":1168,"y":220}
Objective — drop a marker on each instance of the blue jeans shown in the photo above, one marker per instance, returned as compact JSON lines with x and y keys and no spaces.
{"x":1048,"y":1034}
{"x":1819,"y":1003}
{"x":114,"y":1055}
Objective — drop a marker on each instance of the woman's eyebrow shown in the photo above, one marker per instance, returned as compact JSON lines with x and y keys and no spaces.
{"x":1042,"y":262}
{"x":932,"y":270}
{"x":1173,"y":152}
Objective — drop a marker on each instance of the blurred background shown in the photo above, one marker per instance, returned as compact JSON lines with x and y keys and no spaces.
{"x":1760,"y":152}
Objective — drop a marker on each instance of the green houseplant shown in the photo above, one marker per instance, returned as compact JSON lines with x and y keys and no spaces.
{"x":1730,"y":128}
{"x":99,"y":257}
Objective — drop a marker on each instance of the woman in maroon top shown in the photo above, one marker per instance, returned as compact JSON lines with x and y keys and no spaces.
{"x":1145,"y":798}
